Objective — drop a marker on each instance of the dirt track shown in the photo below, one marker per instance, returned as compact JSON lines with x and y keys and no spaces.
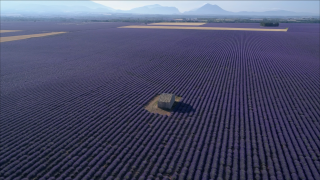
{"x":14,"y":38}
{"x":4,"y":31}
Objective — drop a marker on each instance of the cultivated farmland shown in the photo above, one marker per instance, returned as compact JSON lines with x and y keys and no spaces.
{"x":204,"y":28}
{"x":73,"y":104}
{"x":178,"y":24}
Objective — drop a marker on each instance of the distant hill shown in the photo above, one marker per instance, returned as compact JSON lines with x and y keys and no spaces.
{"x":208,"y":9}
{"x":87,"y":7}
{"x":154,"y":9}
{"x":75,"y":7}
{"x":52,"y":7}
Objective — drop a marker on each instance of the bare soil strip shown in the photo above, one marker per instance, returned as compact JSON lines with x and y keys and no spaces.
{"x":152,"y":106}
{"x":14,"y":38}
{"x":204,"y":28}
{"x":4,"y":31}
{"x":179,"y":24}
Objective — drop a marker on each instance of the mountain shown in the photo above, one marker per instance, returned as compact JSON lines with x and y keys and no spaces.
{"x":87,"y":7}
{"x":75,"y":8}
{"x":52,"y":7}
{"x":154,"y":9}
{"x":208,"y":9}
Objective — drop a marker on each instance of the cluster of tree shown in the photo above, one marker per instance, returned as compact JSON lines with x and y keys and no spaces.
{"x":269,"y":24}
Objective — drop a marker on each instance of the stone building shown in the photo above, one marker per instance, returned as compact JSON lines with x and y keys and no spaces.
{"x":166,"y":101}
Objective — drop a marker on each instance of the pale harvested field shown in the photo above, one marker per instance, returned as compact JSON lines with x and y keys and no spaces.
{"x":179,"y":24}
{"x":152,"y":106}
{"x":14,"y":38}
{"x":204,"y":28}
{"x":4,"y":31}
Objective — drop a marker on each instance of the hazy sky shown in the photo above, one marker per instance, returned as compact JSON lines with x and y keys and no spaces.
{"x":234,"y":6}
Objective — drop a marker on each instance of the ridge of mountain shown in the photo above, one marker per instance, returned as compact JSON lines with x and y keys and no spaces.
{"x":90,"y":7}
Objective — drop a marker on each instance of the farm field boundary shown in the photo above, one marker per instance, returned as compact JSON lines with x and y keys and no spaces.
{"x":14,"y":38}
{"x":204,"y":28}
{"x":179,"y":24}
{"x":5,"y":31}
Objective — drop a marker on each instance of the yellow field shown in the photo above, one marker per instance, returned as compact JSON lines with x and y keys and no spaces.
{"x":179,"y":24}
{"x":204,"y":28}
{"x":4,"y":31}
{"x":14,"y":38}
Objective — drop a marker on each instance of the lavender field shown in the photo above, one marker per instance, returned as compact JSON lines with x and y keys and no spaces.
{"x":72,"y":105}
